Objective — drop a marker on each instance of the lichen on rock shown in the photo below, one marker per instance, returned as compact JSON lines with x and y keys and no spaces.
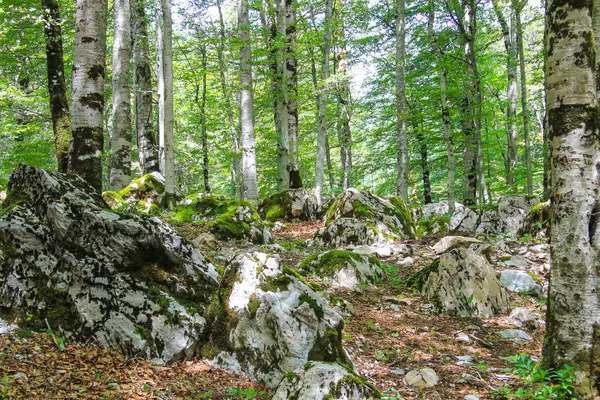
{"x":290,"y":205}
{"x":343,"y":268}
{"x":276,"y":323}
{"x":227,"y":219}
{"x":122,"y":281}
{"x":143,"y":195}
{"x":359,"y":217}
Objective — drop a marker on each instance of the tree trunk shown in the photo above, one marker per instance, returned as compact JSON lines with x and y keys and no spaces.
{"x":509,"y":34}
{"x":120,"y":159}
{"x":281,"y":96}
{"x":291,"y":70}
{"x":573,"y":316}
{"x":142,"y":80}
{"x":525,"y":109}
{"x":89,"y":75}
{"x":205,"y":167}
{"x":322,"y":105}
{"x":164,"y":37}
{"x":445,"y":109}
{"x":424,"y":165}
{"x":235,"y":163}
{"x":401,"y":134}
{"x":249,"y":182}
{"x":57,"y":88}
{"x":345,"y":111}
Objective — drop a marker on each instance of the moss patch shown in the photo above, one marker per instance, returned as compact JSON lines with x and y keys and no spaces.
{"x":418,"y":279}
{"x":329,"y":263}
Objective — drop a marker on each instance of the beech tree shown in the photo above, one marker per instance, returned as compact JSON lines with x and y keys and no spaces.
{"x":573,"y":314}
{"x":401,"y":134}
{"x":120,"y":159}
{"x":57,"y":87}
{"x":89,"y":75}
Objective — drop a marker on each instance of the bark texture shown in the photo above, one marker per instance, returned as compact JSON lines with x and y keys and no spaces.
{"x":249,"y":181}
{"x":120,"y":159}
{"x":573,"y":316}
{"x":164,"y":45}
{"x":142,"y":80}
{"x":291,"y":70}
{"x":89,"y":75}
{"x":57,"y":88}
{"x":401,"y":134}
{"x":203,"y":118}
{"x":322,"y":105}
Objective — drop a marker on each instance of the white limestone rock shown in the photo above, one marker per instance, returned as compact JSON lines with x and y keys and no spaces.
{"x":423,"y":378}
{"x":520,"y":282}
{"x":342,"y":268}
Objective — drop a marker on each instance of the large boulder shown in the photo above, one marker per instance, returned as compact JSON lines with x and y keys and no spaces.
{"x":269,"y":322}
{"x":123,"y":281}
{"x":507,"y":216}
{"x":537,"y":221}
{"x":342,"y":268}
{"x":290,"y":205}
{"x":359,"y":217}
{"x":225,"y":218}
{"x":462,"y":283}
{"x":324,"y":381}
{"x":142,"y":195}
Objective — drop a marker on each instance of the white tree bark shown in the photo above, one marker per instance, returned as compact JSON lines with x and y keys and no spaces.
{"x":291,"y":71}
{"x":142,"y":79}
{"x":249,"y":180}
{"x":441,"y":64}
{"x":401,"y":131}
{"x":89,"y":75}
{"x":573,"y":317}
{"x":120,"y":159}
{"x":322,"y":105}
{"x":524,"y":102}
{"x":282,"y":119}
{"x":164,"y":44}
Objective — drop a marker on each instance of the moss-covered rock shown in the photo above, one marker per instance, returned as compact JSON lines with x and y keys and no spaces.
{"x":225,"y":218}
{"x":324,"y":381}
{"x":258,"y":304}
{"x":343,"y":268}
{"x":142,"y":196}
{"x":537,"y":221}
{"x":123,"y":281}
{"x":290,"y":205}
{"x":359,"y":217}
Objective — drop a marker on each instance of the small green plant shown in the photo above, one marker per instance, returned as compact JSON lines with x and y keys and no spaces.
{"x":381,"y":356}
{"x":536,"y":383}
{"x":391,"y":394}
{"x":248,"y":393}
{"x":371,"y":324}
{"x":4,"y":388}
{"x":395,"y":334}
{"x":347,"y":337}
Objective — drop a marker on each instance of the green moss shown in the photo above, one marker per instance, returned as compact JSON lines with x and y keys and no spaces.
{"x":426,"y":225}
{"x":290,"y":271}
{"x":328,"y":348}
{"x":290,"y":375}
{"x":146,"y":183}
{"x":113,"y":199}
{"x":329,"y":263}
{"x":312,"y":302}
{"x":418,"y":279}
{"x":273,"y":207}
{"x":362,"y":210}
{"x":403,"y":214}
{"x":277,"y":284}
{"x":253,"y":305}
{"x":209,"y":351}
{"x":293,"y":244}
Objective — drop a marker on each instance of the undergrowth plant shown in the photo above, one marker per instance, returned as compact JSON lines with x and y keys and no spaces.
{"x":536,"y":383}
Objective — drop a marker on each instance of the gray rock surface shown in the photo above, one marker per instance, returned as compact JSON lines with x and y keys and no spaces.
{"x":320,"y":381}
{"x":523,"y":318}
{"x":292,"y":204}
{"x":520,"y":282}
{"x":342,"y":268}
{"x":423,"y":378}
{"x":121,"y":281}
{"x":515,"y":335}
{"x":451,"y":242}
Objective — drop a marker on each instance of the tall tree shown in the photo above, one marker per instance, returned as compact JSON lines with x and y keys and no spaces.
{"x":282,"y":118}
{"x":518,"y":7}
{"x":142,"y":80}
{"x":164,"y":51}
{"x":89,"y":75}
{"x":322,"y":104}
{"x":344,"y":97}
{"x":233,"y":131}
{"x":120,"y":159}
{"x":441,"y":65}
{"x":573,"y":316}
{"x":57,"y":88}
{"x":509,"y":31}
{"x":203,"y":118}
{"x":291,"y":71}
{"x":401,"y":132}
{"x":249,"y":180}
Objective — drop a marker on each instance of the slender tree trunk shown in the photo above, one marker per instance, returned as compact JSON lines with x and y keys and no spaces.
{"x":203,"y":117}
{"x":291,"y":70}
{"x":142,"y":80}
{"x":120,"y":159}
{"x":424,"y":165}
{"x":249,"y":181}
{"x":281,"y":96}
{"x":525,"y":109}
{"x":573,"y":316}
{"x":235,"y":163}
{"x":89,"y":75}
{"x":547,"y":150}
{"x":324,"y":95}
{"x":445,"y":109}
{"x":401,"y":134}
{"x":509,"y":33}
{"x":57,"y":88}
{"x":345,"y":111}
{"x":164,"y":37}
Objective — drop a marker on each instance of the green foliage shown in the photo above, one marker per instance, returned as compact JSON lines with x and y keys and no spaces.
{"x":536,"y":383}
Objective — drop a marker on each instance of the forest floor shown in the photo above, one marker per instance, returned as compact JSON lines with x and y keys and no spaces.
{"x":392,"y":331}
